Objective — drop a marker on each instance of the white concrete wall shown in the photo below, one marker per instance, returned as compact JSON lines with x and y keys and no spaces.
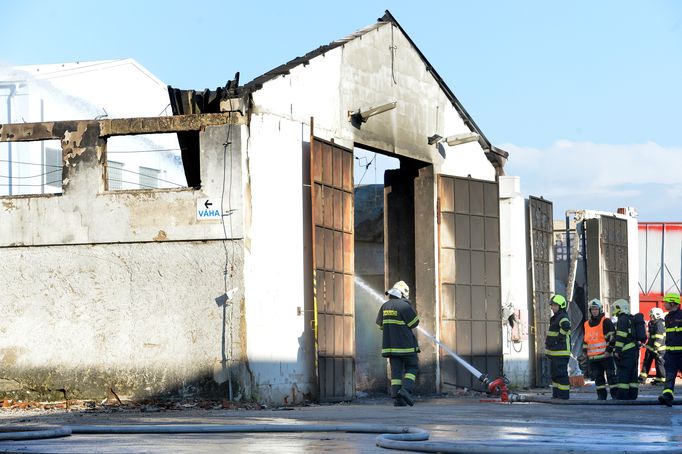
{"x":118,"y":289}
{"x":514,"y":284}
{"x":274,"y":258}
{"x":137,"y":317}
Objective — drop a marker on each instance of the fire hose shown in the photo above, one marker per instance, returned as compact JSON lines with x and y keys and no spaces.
{"x":392,"y":437}
{"x":496,"y":387}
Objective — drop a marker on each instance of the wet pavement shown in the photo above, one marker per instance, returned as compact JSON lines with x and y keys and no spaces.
{"x":457,"y":424}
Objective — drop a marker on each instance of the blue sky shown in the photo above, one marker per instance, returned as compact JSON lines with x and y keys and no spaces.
{"x":583,"y":94}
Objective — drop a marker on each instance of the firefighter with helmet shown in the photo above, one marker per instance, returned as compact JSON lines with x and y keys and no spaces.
{"x":673,"y":349}
{"x":397,"y":318}
{"x":558,"y":347}
{"x":600,"y":335}
{"x":655,"y":347}
{"x":625,"y":352}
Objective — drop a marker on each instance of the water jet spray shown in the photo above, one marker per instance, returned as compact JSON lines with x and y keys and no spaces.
{"x":496,"y":387}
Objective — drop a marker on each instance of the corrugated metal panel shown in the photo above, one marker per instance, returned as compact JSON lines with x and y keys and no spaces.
{"x":660,"y":259}
{"x":333,"y":265}
{"x":470,"y":277}
{"x":540,"y":231}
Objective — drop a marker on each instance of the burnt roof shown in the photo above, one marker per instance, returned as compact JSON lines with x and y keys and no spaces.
{"x":495,"y":155}
{"x":257,"y":83}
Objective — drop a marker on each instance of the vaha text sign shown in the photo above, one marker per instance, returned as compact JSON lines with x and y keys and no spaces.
{"x":208,"y":209}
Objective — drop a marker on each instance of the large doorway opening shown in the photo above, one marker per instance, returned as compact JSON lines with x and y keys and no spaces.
{"x":373,"y":221}
{"x":385,"y":251}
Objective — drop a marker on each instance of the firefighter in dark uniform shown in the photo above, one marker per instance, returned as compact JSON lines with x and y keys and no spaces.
{"x":558,"y":347}
{"x":600,"y":336}
{"x":625,"y":352}
{"x":673,"y":349}
{"x":397,"y":318}
{"x":655,"y":348}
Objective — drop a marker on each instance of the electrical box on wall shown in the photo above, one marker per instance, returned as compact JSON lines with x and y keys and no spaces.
{"x":519,"y":331}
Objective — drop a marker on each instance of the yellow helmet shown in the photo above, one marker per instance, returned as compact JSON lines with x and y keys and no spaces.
{"x":558,"y":300}
{"x":620,"y":306}
{"x":672,"y":298}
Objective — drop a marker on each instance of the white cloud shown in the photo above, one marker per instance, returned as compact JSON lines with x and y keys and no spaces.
{"x":585,"y":175}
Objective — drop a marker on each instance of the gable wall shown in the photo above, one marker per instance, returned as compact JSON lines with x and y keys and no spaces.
{"x":356,"y":75}
{"x":359,"y":75}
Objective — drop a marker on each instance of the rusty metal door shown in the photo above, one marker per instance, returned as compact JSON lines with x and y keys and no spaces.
{"x":332,"y":235}
{"x":541,"y":280}
{"x":469,"y":245}
{"x":607,"y":259}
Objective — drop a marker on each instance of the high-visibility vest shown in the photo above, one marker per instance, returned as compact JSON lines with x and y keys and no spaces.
{"x":595,"y":340}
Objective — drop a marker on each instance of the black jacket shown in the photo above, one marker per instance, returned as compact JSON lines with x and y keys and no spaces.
{"x":656,"y":338}
{"x":673,"y":332}
{"x":396,"y":318}
{"x":558,"y":341}
{"x":625,"y":338}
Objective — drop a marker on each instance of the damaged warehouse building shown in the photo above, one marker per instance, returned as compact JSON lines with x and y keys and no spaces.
{"x":245,"y":283}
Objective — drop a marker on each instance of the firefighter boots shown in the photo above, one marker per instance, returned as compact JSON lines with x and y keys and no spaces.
{"x":666,"y":399}
{"x":406,"y":396}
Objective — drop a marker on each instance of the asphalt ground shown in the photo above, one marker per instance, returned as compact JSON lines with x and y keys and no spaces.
{"x":465,"y":422}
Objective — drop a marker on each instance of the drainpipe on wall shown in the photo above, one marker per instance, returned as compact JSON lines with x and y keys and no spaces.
{"x":498,"y":158}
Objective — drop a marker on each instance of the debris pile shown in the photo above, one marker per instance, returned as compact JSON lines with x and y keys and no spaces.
{"x":112,"y":405}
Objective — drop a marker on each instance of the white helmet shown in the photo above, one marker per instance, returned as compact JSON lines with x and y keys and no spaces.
{"x":619,"y":306}
{"x":656,"y":313}
{"x":596,"y":303}
{"x":399,"y":290}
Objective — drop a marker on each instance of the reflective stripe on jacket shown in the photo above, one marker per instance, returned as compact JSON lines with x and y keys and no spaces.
{"x":558,"y":341}
{"x":656,"y":336}
{"x":396,"y":318}
{"x":625,"y":340}
{"x":673,"y":332}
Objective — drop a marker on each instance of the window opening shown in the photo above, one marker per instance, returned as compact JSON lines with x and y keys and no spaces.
{"x":144,"y":162}
{"x":31,"y":168}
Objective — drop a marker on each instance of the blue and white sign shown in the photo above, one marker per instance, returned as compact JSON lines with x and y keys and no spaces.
{"x":208,"y":209}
